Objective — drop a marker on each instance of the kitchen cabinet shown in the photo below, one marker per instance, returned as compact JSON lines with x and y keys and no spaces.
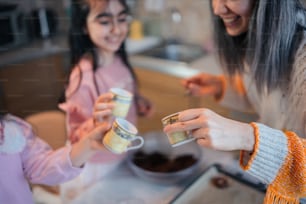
{"x":167,"y":96}
{"x":32,"y":85}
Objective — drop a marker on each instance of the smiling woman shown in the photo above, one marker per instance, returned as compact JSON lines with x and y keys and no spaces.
{"x":234,"y":14}
{"x":261,"y":45}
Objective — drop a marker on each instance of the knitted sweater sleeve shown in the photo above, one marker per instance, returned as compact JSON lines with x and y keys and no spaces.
{"x":279,"y":160}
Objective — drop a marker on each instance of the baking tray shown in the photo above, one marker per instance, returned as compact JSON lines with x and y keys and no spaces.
{"x":236,"y":191}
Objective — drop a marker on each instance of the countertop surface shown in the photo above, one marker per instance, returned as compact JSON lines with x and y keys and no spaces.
{"x":207,"y":63}
{"x":35,"y":49}
{"x":59,"y":45}
{"x":121,"y":186}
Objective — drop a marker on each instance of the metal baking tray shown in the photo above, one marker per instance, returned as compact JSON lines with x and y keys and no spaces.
{"x":233,"y":189}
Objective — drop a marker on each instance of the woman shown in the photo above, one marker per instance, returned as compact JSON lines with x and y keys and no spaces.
{"x":262,"y":48}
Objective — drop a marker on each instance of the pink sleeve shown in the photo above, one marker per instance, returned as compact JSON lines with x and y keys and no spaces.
{"x":80,"y":99}
{"x":43,"y":165}
{"x":78,"y":122}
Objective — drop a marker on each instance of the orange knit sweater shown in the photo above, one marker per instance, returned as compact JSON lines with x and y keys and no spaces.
{"x":279,"y":157}
{"x":290,"y":183}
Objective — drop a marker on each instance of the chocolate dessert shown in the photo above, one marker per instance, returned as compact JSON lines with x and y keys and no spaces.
{"x":158,"y":162}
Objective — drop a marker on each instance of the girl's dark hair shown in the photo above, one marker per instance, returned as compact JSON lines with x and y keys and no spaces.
{"x":268,"y":47}
{"x":3,"y":109}
{"x":80,"y":42}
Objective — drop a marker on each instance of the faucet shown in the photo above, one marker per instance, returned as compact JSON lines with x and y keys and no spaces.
{"x":176,"y":15}
{"x":175,"y":20}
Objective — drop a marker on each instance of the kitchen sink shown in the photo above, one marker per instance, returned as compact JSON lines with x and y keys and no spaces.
{"x":175,"y":51}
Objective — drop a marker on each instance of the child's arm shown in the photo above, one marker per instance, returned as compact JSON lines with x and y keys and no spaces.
{"x":88,"y":145}
{"x":80,"y":98}
{"x":42,"y":165}
{"x":78,"y":109}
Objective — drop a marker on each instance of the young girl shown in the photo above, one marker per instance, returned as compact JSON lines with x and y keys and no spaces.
{"x":26,"y":158}
{"x":99,"y":62}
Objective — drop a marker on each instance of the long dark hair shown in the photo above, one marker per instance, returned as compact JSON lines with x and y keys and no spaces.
{"x":80,"y":42}
{"x":269,"y":45}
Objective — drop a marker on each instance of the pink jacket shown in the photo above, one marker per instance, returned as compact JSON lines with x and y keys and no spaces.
{"x":24,"y":157}
{"x":81,"y":95}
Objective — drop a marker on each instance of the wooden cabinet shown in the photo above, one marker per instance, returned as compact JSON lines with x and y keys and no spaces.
{"x":32,"y":86}
{"x":168,"y":96}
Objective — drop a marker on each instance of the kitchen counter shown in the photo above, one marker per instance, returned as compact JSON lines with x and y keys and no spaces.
{"x":121,"y":186}
{"x":56,"y":45}
{"x":35,"y":49}
{"x":59,"y":44}
{"x":207,"y":64}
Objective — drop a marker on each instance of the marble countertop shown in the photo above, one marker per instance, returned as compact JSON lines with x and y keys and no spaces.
{"x":34,"y":49}
{"x":207,"y":64}
{"x":121,"y":186}
{"x":59,"y":45}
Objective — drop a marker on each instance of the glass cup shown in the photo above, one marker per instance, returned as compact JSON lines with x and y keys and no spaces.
{"x":120,"y":137}
{"x":122,"y":100}
{"x":176,"y":138}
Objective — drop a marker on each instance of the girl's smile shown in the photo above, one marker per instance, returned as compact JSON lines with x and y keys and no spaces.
{"x":107,"y":25}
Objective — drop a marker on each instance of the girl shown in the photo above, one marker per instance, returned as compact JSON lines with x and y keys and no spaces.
{"x":24,"y":157}
{"x":262,"y":47}
{"x":99,"y":62}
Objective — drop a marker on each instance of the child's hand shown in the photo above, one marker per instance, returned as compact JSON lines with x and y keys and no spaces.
{"x":95,"y":136}
{"x":103,"y":108}
{"x":83,"y":149}
{"x":144,"y":106}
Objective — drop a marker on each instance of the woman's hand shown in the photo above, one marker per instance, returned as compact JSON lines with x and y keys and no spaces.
{"x":144,"y":106}
{"x":214,"y":131}
{"x":103,"y":108}
{"x":82,"y":150}
{"x":204,"y":85}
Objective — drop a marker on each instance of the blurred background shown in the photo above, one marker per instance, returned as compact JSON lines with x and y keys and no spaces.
{"x":34,"y":51}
